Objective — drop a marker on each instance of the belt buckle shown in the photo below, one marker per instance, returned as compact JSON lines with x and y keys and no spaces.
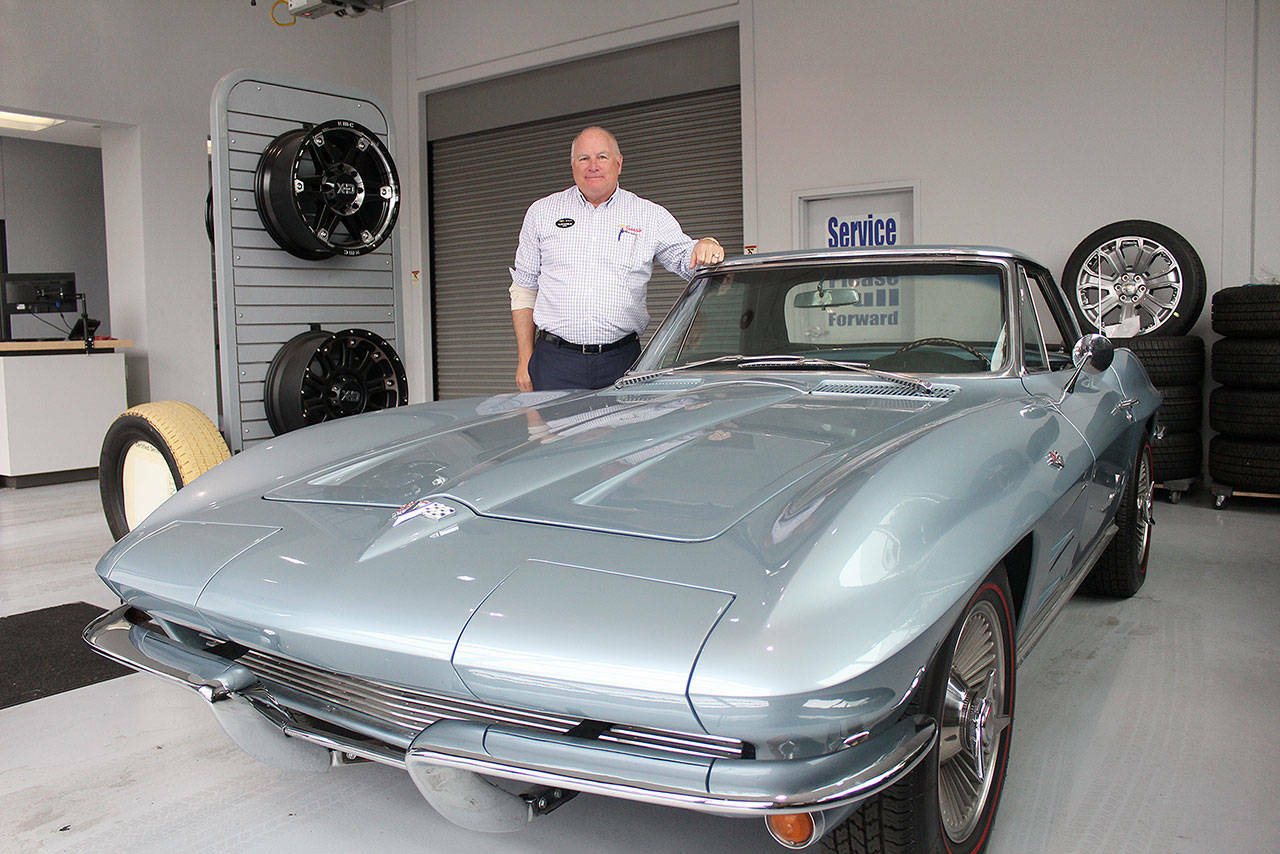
{"x":592,"y":348}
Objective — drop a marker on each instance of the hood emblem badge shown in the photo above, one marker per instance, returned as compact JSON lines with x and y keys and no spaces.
{"x":422,"y":507}
{"x":1054,"y":459}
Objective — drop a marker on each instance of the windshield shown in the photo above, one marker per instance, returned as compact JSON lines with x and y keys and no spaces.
{"x":923,"y":318}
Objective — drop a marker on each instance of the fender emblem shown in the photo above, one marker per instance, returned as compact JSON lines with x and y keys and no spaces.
{"x":422,"y":507}
{"x":1054,"y":459}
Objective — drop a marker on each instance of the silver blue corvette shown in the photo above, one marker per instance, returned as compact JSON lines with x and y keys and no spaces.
{"x":785,"y":568}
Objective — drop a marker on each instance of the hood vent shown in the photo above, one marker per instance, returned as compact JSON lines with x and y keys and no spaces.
{"x":658,"y":384}
{"x":896,"y":391}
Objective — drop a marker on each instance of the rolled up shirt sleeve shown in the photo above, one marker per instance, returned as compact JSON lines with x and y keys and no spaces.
{"x":528,"y":254}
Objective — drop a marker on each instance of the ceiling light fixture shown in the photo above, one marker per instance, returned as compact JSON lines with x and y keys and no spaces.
{"x":22,"y":121}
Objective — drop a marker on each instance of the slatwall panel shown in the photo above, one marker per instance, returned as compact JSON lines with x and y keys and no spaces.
{"x":684,"y":152}
{"x":265,"y":295}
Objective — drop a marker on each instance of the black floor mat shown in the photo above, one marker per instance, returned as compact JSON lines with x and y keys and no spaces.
{"x":42,"y":653}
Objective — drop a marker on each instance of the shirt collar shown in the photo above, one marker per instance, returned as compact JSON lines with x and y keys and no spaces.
{"x":577,"y":194}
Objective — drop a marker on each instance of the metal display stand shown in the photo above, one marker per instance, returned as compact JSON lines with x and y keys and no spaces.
{"x":265,"y":295}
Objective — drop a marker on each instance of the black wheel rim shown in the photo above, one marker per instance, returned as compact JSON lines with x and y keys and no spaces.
{"x":327,"y":189}
{"x":319,"y":376}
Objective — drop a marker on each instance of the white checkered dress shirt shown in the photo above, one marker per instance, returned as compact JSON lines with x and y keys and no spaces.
{"x":591,"y":266}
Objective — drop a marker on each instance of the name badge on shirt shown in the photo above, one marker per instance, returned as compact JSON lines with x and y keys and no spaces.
{"x":564,"y":223}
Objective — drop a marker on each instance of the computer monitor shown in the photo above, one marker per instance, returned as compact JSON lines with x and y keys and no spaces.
{"x":35,"y":293}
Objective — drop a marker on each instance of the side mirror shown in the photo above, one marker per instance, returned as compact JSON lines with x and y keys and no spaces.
{"x":1092,"y":353}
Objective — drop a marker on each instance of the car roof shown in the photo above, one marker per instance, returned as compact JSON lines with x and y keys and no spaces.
{"x":881,"y":253}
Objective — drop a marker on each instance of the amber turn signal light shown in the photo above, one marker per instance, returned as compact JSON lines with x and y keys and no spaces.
{"x":795,"y":830}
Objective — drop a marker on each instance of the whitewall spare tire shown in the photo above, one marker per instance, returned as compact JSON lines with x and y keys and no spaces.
{"x":150,"y":452}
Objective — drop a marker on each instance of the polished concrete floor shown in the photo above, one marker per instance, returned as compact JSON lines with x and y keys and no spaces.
{"x":1149,"y":725}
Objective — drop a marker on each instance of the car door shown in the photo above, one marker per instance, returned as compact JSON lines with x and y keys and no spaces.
{"x":1093,"y":407}
{"x":1066,"y":455}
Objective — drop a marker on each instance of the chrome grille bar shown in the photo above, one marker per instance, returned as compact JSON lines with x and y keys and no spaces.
{"x":412,"y":710}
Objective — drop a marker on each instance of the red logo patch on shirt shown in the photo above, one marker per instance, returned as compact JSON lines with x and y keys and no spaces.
{"x":628,"y":229}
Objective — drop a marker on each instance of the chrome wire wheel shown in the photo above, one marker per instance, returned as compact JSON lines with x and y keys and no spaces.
{"x":1144,"y":492}
{"x":975,"y":714}
{"x":1129,"y":277}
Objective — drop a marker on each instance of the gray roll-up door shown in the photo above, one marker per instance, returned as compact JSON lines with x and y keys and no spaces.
{"x":683,"y":152}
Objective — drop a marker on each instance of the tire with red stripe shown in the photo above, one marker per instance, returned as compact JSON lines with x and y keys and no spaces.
{"x":927,"y":810}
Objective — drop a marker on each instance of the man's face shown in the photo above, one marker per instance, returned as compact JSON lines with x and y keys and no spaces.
{"x":596,"y":166}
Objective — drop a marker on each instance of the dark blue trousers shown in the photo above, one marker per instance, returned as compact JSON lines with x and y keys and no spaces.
{"x":552,"y":366}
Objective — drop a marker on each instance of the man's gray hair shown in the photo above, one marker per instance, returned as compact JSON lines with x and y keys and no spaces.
{"x":573,"y":146}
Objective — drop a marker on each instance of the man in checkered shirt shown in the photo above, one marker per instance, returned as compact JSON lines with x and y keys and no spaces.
{"x":581,"y":274}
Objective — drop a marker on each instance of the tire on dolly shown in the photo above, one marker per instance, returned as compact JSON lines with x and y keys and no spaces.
{"x":1245,"y":464}
{"x":150,"y":452}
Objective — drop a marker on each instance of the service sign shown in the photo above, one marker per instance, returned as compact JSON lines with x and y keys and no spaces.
{"x":857,"y":220}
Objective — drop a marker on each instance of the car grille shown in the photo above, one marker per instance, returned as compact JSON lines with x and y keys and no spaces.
{"x":409,"y":710}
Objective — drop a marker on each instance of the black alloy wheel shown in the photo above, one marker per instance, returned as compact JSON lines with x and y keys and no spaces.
{"x":319,"y":376}
{"x":947,"y":804}
{"x":327,"y":189}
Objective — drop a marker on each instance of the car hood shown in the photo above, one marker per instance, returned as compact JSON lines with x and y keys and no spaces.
{"x":681,"y":464}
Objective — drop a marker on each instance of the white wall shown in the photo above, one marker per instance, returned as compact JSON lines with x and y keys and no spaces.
{"x":51,"y":202}
{"x":146,"y":71}
{"x":1024,"y":124}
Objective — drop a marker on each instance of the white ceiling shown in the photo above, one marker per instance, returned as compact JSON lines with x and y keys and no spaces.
{"x":70,"y":132}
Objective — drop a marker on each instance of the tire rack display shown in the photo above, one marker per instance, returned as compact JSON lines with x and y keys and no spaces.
{"x":1175,"y":364}
{"x":1244,"y":459}
{"x":1135,"y":270}
{"x":266,"y":295}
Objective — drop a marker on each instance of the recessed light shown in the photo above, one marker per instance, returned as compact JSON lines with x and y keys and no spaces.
{"x":23,"y":121}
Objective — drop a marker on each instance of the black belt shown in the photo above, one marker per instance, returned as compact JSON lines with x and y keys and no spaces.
{"x":587,"y":348}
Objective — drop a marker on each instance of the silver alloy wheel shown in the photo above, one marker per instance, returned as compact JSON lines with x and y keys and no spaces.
{"x":1127,"y":277}
{"x":1145,"y":491}
{"x":974,"y":715}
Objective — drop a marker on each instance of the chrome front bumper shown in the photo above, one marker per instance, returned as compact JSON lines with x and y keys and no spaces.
{"x":737,"y":787}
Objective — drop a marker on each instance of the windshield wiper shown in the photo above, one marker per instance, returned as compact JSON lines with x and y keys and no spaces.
{"x":816,"y":362}
{"x":662,"y":372}
{"x":781,"y":360}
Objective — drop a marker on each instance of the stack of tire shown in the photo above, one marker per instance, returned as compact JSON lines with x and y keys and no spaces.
{"x":1245,"y":409}
{"x":1146,"y":271}
{"x":1175,"y":364}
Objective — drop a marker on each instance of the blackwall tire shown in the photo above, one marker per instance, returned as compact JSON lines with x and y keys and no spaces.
{"x":1247,"y":311}
{"x":921,"y":812}
{"x":282,"y":386}
{"x":1182,"y":408}
{"x":1245,"y":413}
{"x":1169,"y":360}
{"x":149,"y":452}
{"x":1245,"y":464}
{"x":1135,"y":267}
{"x":1122,"y":568}
{"x":1177,"y":456}
{"x":1246,"y":362}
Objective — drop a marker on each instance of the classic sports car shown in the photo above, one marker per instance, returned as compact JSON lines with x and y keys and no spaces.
{"x":784,"y":568}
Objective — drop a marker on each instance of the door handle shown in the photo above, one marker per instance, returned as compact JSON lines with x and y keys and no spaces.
{"x":1126,"y":406}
